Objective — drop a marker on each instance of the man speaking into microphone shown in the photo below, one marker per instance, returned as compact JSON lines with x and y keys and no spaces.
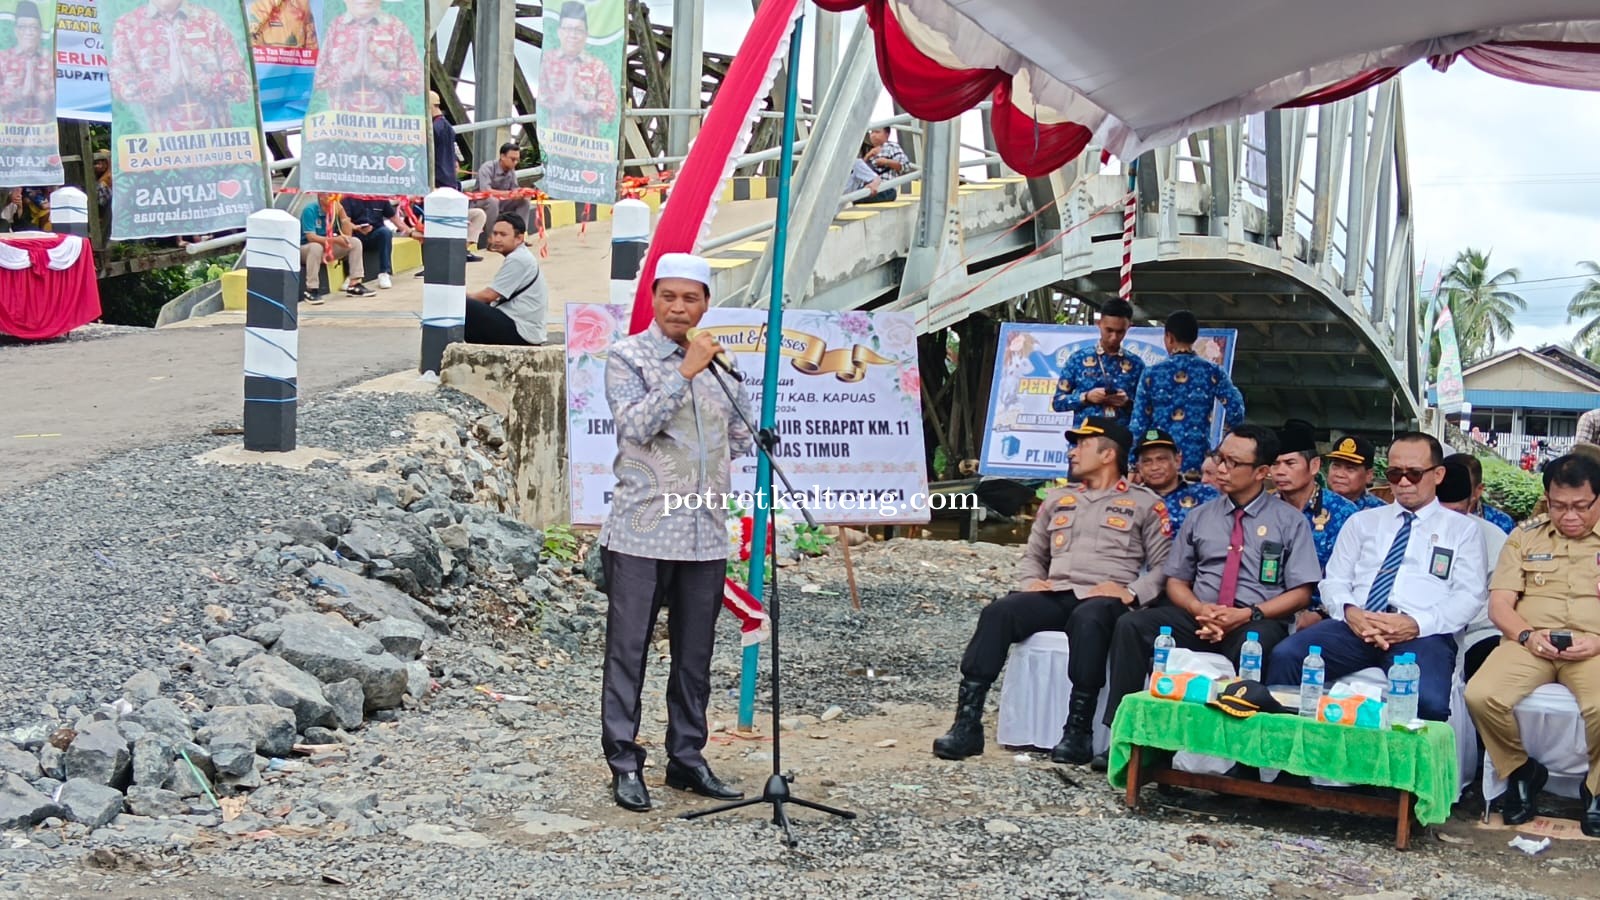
{"x":677,"y":434}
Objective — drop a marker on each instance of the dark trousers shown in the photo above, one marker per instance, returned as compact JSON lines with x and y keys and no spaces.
{"x":380,"y":243}
{"x":1344,"y":652}
{"x":1021,"y":614}
{"x":1134,"y":638}
{"x":883,"y":196}
{"x":638,"y":588}
{"x":488,"y":325}
{"x":1475,"y":656}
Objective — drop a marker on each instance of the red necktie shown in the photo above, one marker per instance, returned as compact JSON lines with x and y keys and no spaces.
{"x":1230,"y":571}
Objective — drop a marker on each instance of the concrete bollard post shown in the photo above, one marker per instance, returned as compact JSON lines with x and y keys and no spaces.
{"x":444,"y":278}
{"x":630,"y":241}
{"x":271,"y":331}
{"x":69,"y":211}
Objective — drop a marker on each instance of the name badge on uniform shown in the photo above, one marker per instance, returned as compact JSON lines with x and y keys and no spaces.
{"x":1443,"y":559}
{"x":1540,"y":557}
{"x":1271,"y":563}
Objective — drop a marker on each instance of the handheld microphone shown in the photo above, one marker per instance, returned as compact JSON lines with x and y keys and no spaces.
{"x":722,"y":360}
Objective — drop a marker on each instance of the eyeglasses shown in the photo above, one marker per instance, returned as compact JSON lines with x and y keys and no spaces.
{"x":1224,"y":463}
{"x":1557,"y":510}
{"x":1397,"y":476}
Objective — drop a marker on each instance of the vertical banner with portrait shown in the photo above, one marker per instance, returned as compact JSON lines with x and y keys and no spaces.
{"x":30,"y":150}
{"x":283,"y":41}
{"x":83,"y":85}
{"x":186,"y":146}
{"x":366,"y":129}
{"x":580,"y":98}
{"x":1024,"y":434}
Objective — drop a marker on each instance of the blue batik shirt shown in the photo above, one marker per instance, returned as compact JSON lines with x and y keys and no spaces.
{"x":1368,"y":500}
{"x":1327,"y":513}
{"x":1176,"y":396}
{"x":1094,"y":368}
{"x":1186,"y":497}
{"x":1497,"y":518}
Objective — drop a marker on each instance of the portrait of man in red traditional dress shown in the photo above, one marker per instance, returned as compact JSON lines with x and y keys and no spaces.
{"x":28,"y":71}
{"x":178,"y":67}
{"x":369,"y":61}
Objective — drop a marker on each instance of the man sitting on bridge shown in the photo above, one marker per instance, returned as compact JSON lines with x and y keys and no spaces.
{"x":500,"y":174}
{"x":1081,"y":570}
{"x":319,"y":237}
{"x":511,"y":310}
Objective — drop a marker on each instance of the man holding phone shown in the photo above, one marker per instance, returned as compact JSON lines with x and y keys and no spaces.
{"x":1403,"y":578}
{"x":1101,"y":380}
{"x":1544,"y":597}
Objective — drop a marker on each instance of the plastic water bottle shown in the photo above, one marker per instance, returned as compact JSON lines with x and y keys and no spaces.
{"x":1164,"y":645}
{"x":1250,"y":657}
{"x":1312,"y":672}
{"x":1404,"y":678}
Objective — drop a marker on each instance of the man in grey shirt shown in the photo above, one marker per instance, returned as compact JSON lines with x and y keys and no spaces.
{"x":511,"y":310}
{"x":1241,"y":563}
{"x":500,"y":174}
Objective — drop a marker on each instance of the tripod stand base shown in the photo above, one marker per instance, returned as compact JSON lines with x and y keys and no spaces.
{"x":776,"y":793}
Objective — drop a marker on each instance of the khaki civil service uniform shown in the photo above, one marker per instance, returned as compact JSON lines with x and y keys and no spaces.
{"x":1081,"y":538}
{"x":1558,"y":580}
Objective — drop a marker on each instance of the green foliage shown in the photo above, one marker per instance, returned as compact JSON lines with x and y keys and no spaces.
{"x":1509,"y":488}
{"x":1483,"y":308}
{"x":561,"y":543}
{"x":941,"y":463}
{"x":811,"y":541}
{"x":1585,"y":307}
{"x":137,"y":298}
{"x":211,"y":270}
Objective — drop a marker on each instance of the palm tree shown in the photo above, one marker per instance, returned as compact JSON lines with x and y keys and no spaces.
{"x":1480,"y":304}
{"x":1585,"y":304}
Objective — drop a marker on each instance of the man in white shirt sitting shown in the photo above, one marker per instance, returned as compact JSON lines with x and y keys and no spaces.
{"x":1403,"y":578}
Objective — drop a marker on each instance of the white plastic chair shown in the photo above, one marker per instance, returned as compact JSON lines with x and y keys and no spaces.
{"x":1036,"y":693}
{"x":1553,"y":733}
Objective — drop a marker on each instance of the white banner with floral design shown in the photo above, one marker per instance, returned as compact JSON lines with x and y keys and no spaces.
{"x":849,"y":410}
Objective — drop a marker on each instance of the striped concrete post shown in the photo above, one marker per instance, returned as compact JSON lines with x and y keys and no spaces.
{"x":630,"y":240}
{"x":444,"y":278}
{"x":69,"y":211}
{"x":271,"y":330}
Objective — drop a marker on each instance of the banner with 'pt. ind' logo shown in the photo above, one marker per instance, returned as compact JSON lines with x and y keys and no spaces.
{"x":29,"y":147}
{"x":185,"y":126}
{"x":366,"y":129}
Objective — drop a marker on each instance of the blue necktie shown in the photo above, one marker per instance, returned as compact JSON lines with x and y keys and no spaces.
{"x":1378,"y":597}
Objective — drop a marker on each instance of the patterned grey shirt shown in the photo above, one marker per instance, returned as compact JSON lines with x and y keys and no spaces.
{"x":673,"y":436}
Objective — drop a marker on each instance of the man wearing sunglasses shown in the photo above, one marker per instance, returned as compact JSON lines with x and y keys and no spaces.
{"x":1545,"y":599}
{"x":1243,"y":562}
{"x":1403,"y":578}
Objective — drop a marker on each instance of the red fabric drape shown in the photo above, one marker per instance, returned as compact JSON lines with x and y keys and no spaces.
{"x":1030,"y":148}
{"x":1544,"y":63}
{"x":1339,"y":90}
{"x":925,"y":88}
{"x":39,"y":302}
{"x":695,"y":187}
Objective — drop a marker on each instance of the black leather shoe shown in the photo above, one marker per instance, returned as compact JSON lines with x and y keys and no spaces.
{"x":629,"y":791}
{"x":1517,"y":804}
{"x":1590,"y":820}
{"x":700,"y":780}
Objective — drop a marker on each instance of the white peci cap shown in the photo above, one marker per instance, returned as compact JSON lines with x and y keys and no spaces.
{"x":684,"y":265}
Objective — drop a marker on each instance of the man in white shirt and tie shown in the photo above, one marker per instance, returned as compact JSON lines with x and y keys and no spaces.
{"x":1403,"y":578}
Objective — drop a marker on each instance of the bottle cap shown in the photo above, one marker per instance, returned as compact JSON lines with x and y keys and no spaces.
{"x":1166,"y":629}
{"x":1316,"y":650}
{"x":1251,"y":636}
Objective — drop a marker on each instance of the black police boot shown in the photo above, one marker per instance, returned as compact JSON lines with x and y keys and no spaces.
{"x":1517,"y":804}
{"x":1077,"y":738}
{"x":965,"y":737}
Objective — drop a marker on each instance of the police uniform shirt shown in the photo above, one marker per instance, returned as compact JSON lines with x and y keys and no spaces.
{"x":1092,"y":368}
{"x":1177,"y":395}
{"x":1557,"y":577}
{"x":1081,"y":538}
{"x":1185,"y":498}
{"x":1442,"y":577}
{"x":1201,"y":550}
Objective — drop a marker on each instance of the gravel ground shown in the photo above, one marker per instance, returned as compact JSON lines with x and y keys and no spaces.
{"x":470,"y":794}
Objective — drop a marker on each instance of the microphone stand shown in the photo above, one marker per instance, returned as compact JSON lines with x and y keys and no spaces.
{"x":776,"y":792}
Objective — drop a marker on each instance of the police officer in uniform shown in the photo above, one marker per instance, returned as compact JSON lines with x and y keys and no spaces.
{"x":1294,"y":474}
{"x":1179,"y":394}
{"x":1091,"y":539}
{"x":1350,"y":471}
{"x":1242,"y":562}
{"x":1159,"y":461}
{"x":1101,"y":380}
{"x":1544,"y":596}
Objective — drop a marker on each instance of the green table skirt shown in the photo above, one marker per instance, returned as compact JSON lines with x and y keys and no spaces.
{"x":1423,"y":763}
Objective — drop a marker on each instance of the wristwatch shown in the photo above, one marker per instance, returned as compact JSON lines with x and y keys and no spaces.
{"x":1523,"y":637}
{"x":1255,"y":614}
